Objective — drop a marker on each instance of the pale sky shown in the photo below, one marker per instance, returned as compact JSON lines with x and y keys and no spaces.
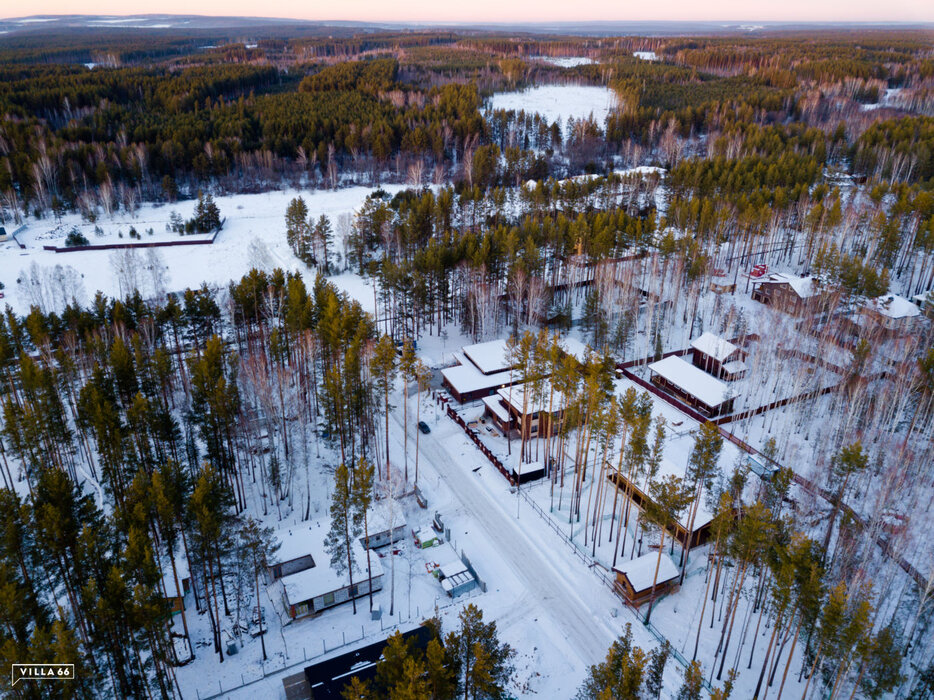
{"x":501,"y":10}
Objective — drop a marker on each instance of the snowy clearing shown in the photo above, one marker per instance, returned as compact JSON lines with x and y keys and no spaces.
{"x":559,"y":102}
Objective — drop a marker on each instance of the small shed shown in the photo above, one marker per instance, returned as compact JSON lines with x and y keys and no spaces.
{"x":634,"y":578}
{"x":174,"y":596}
{"x":455,"y":578}
{"x":761,"y":466}
{"x":425,"y":538}
{"x":528,"y":472}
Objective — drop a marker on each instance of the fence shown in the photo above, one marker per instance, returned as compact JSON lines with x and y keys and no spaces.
{"x":270,"y":669}
{"x":472,"y":434}
{"x":15,"y":239}
{"x":120,"y":246}
{"x":608,"y":581}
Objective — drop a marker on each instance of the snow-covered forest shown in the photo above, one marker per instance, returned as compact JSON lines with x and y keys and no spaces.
{"x":602,"y":366}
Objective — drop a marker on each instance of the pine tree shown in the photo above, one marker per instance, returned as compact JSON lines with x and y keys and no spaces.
{"x":483,"y":662}
{"x":345,"y":527}
{"x":656,"y":670}
{"x":702,"y":468}
{"x":620,"y":675}
{"x":668,"y":498}
{"x":383,"y":368}
{"x":260,"y":544}
{"x":849,"y":461}
{"x":296,"y":228}
{"x":323,"y":239}
{"x":209,"y":510}
{"x":407,"y":366}
{"x":693,"y":682}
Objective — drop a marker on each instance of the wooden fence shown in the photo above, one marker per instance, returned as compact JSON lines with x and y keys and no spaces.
{"x":472,"y":434}
{"x":142,"y":244}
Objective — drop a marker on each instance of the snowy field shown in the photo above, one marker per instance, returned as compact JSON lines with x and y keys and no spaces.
{"x":253,"y":236}
{"x":566,"y":61}
{"x":559,"y":102}
{"x":645,"y":55}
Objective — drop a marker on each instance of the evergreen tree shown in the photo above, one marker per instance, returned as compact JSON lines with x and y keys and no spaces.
{"x":620,"y":675}
{"x":482,"y":661}
{"x":345,"y":526}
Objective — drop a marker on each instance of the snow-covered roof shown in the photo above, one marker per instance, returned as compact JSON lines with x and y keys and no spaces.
{"x":714,"y":346}
{"x":494,"y":403}
{"x":168,"y":578}
{"x":804,"y":287}
{"x":452,"y":567}
{"x":668,"y":468}
{"x":515,"y":396}
{"x":466,"y":378}
{"x":489,"y":357}
{"x":322,"y":578}
{"x":641,"y":571}
{"x":694,"y":381}
{"x":734,"y":367}
{"x":379,"y":516}
{"x":893,"y":306}
{"x":574,"y":347}
{"x":298,"y":541}
{"x":924,"y":298}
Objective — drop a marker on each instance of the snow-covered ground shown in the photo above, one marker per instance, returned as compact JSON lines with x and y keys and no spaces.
{"x":645,"y":55}
{"x":549,"y":606}
{"x":887,"y":100}
{"x":559,"y":102}
{"x":253,"y":236}
{"x":566,"y":61}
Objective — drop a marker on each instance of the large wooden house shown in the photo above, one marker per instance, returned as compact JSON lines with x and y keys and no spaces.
{"x":482,"y":369}
{"x":790,"y":293}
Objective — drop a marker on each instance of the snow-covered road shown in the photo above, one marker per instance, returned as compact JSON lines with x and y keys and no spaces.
{"x":537,"y":564}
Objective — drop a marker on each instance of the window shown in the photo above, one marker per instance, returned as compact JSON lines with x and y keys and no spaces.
{"x":328,"y":599}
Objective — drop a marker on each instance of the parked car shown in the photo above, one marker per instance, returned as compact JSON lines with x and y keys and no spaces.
{"x":423,"y":426}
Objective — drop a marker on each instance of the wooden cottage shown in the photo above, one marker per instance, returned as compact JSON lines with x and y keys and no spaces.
{"x":634,"y":578}
{"x":719,"y":357}
{"x":895,"y":315}
{"x":703,"y":392}
{"x":385,"y":526}
{"x":678,"y":529}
